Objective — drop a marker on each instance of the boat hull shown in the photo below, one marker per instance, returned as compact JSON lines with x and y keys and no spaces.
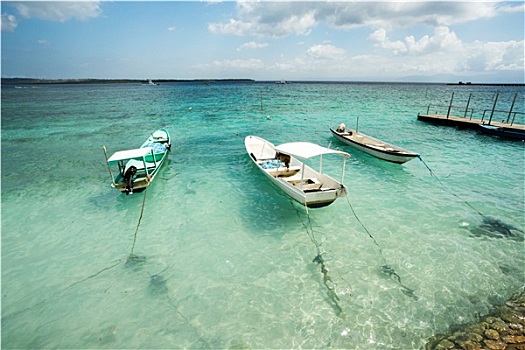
{"x":314,"y":189}
{"x":367,"y":144}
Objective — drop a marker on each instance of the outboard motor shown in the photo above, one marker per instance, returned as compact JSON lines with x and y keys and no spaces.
{"x":128,"y":178}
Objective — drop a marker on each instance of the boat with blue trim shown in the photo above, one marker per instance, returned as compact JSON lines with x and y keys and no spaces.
{"x":136,"y":168}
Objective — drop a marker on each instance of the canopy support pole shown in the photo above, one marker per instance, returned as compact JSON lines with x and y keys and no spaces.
{"x":109,"y":168}
{"x":343,"y":171}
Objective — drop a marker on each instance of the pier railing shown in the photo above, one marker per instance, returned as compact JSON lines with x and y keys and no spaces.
{"x":449,"y":108}
{"x":507,"y":113}
{"x":506,"y":117}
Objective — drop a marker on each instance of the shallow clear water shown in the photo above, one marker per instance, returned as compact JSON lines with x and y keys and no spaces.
{"x":226,"y":258}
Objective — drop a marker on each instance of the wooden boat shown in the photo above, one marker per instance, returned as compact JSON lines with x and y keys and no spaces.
{"x":137,"y":168}
{"x":284,"y":166}
{"x":373,"y":146}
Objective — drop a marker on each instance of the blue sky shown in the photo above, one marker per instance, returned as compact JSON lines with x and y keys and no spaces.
{"x":292,"y":40}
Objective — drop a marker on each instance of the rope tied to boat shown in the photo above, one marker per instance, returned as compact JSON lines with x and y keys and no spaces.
{"x":446,"y":189}
{"x":386,"y":268}
{"x":132,"y":257}
{"x":497,"y":224}
{"x":327,"y":280}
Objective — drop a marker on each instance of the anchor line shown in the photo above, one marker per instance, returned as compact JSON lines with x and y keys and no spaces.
{"x":185,"y":318}
{"x":140,"y":218}
{"x":446,"y":189}
{"x":366,"y":230}
{"x":327,"y":280}
{"x":16,"y":313}
{"x":386,"y":268}
{"x":95,"y":274}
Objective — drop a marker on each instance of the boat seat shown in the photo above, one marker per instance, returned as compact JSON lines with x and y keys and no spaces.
{"x":310,"y":184}
{"x":312,"y":187}
{"x":283,"y":171}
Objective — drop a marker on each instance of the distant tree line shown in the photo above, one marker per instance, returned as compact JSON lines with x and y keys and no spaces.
{"x":32,"y":81}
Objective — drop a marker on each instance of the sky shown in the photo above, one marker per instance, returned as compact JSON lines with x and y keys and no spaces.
{"x":418,"y":41}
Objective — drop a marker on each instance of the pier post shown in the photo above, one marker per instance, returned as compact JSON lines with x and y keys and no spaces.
{"x":494,"y":106}
{"x":450,"y":106}
{"x":511,"y":108}
{"x":466,"y":108}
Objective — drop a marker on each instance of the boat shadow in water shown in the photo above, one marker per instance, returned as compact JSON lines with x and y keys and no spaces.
{"x":495,"y":228}
{"x":134,"y":261}
{"x":157,"y":284}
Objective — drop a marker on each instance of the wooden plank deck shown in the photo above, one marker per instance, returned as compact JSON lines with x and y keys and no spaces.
{"x":465,"y":122}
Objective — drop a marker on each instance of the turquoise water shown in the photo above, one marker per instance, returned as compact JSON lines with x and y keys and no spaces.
{"x":226,"y":260}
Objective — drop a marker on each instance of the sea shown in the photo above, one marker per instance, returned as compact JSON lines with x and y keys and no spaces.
{"x":213,"y":256}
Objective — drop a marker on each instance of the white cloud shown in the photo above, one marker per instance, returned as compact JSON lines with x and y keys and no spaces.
{"x":276,"y":19}
{"x":252,"y":45}
{"x":243,"y":65}
{"x":444,"y":53}
{"x":43,"y":42}
{"x":171,"y":29}
{"x":378,"y":36}
{"x":9,"y":23}
{"x":421,"y":57}
{"x":57,"y":11}
{"x":495,"y":56}
{"x":512,"y":8}
{"x":329,"y":52}
{"x":270,"y":19}
{"x":442,"y":40}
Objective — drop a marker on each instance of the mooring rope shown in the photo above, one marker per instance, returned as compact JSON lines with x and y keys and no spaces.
{"x":202,"y":337}
{"x":446,"y":189}
{"x":16,"y":313}
{"x":132,"y":257}
{"x":138,"y":224}
{"x":386,"y":268}
{"x":327,"y":280}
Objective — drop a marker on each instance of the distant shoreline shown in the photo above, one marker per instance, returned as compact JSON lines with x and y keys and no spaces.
{"x":29,"y":81}
{"x":34,"y":81}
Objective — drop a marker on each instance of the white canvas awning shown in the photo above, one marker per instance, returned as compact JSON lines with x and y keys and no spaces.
{"x":138,"y":154}
{"x":306,"y":150}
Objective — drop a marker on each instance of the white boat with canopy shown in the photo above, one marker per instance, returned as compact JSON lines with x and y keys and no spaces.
{"x":285,"y":166}
{"x":136,"y":168}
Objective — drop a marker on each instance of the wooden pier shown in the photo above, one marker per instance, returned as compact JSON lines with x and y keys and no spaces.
{"x":488,"y":124}
{"x":465,"y":123}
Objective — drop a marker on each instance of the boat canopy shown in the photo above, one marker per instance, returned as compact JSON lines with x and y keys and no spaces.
{"x":306,"y":150}
{"x":138,"y":154}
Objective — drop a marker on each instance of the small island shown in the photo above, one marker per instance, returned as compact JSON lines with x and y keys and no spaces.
{"x":468,"y":83}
